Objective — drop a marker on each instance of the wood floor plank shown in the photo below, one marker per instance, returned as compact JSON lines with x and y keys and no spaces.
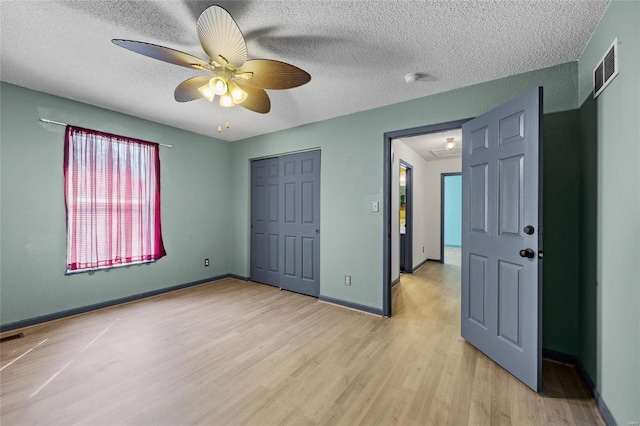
{"x":232,"y":352}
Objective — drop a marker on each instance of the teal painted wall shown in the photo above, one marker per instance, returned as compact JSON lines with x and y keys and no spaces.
{"x":453,"y":211}
{"x":351,"y":235}
{"x":561,"y":188}
{"x":195,"y":194}
{"x":588,"y":315}
{"x":610,"y":291}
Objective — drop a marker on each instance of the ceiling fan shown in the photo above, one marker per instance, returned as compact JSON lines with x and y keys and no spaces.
{"x":236,"y":80}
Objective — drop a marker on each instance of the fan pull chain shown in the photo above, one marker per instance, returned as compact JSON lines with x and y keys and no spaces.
{"x":227,"y":125}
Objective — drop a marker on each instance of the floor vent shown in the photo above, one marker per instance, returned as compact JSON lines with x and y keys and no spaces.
{"x":11,"y":337}
{"x":606,"y":70}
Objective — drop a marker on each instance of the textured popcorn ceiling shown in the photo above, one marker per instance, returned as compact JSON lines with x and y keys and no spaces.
{"x":357,"y":52}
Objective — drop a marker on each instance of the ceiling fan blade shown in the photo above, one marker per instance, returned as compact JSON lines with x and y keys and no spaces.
{"x":163,"y":53}
{"x":257,"y":99}
{"x":269,"y":74}
{"x":221,"y":37}
{"x":188,"y":90}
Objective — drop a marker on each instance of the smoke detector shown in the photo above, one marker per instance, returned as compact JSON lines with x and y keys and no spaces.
{"x":415,"y":76}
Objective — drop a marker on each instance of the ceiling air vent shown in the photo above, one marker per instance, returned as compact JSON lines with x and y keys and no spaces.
{"x":606,"y":70}
{"x":443,"y":153}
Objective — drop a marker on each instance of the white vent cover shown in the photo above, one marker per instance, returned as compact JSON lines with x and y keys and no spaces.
{"x":606,"y":70}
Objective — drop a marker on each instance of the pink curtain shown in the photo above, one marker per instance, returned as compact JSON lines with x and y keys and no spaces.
{"x":112,"y":194}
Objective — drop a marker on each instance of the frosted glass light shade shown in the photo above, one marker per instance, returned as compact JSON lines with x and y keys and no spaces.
{"x":237,"y":94}
{"x":226,"y":100}
{"x":207,"y":92}
{"x":218,"y":85}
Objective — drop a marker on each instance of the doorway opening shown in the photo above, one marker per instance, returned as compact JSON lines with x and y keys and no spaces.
{"x":451,"y":218}
{"x":424,"y":249}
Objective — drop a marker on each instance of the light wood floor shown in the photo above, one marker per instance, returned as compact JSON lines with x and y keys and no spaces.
{"x":230,"y":353}
{"x":452,"y":255}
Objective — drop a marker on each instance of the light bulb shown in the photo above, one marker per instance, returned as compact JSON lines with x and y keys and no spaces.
{"x":226,"y":100}
{"x":450,"y":144}
{"x":218,"y":85}
{"x":206,"y":92}
{"x":237,"y":93}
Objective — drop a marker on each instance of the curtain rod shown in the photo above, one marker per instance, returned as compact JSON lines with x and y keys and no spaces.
{"x":44,"y":120}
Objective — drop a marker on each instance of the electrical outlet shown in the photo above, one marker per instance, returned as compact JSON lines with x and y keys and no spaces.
{"x":206,"y":262}
{"x":347,"y":280}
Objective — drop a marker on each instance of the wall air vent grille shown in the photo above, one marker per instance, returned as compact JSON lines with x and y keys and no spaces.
{"x":606,"y":70}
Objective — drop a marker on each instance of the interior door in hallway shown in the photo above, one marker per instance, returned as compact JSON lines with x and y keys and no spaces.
{"x":501,"y":236}
{"x":285,"y":220}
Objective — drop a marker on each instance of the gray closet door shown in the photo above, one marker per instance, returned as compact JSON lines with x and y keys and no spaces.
{"x":300,"y":224}
{"x":285,"y":222}
{"x":265,"y":221}
{"x":501,"y":236}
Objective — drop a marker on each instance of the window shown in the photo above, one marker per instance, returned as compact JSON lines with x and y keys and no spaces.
{"x":112,"y":195}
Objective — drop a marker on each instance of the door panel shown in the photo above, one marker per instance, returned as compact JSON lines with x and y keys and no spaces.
{"x":308,"y":256}
{"x":301,"y":225}
{"x":479,"y":197}
{"x":274,"y":258}
{"x":479,"y":139}
{"x":509,"y":302}
{"x":477,"y":288}
{"x":273,"y":204}
{"x":501,"y":288}
{"x":511,"y":197}
{"x":265,"y":221}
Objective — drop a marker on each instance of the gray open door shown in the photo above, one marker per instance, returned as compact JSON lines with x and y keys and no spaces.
{"x":502,"y":236}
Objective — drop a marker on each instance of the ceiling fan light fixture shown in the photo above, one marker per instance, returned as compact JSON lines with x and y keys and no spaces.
{"x":224,"y":44}
{"x":450,"y":144}
{"x":218,"y":85}
{"x":207,"y":92}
